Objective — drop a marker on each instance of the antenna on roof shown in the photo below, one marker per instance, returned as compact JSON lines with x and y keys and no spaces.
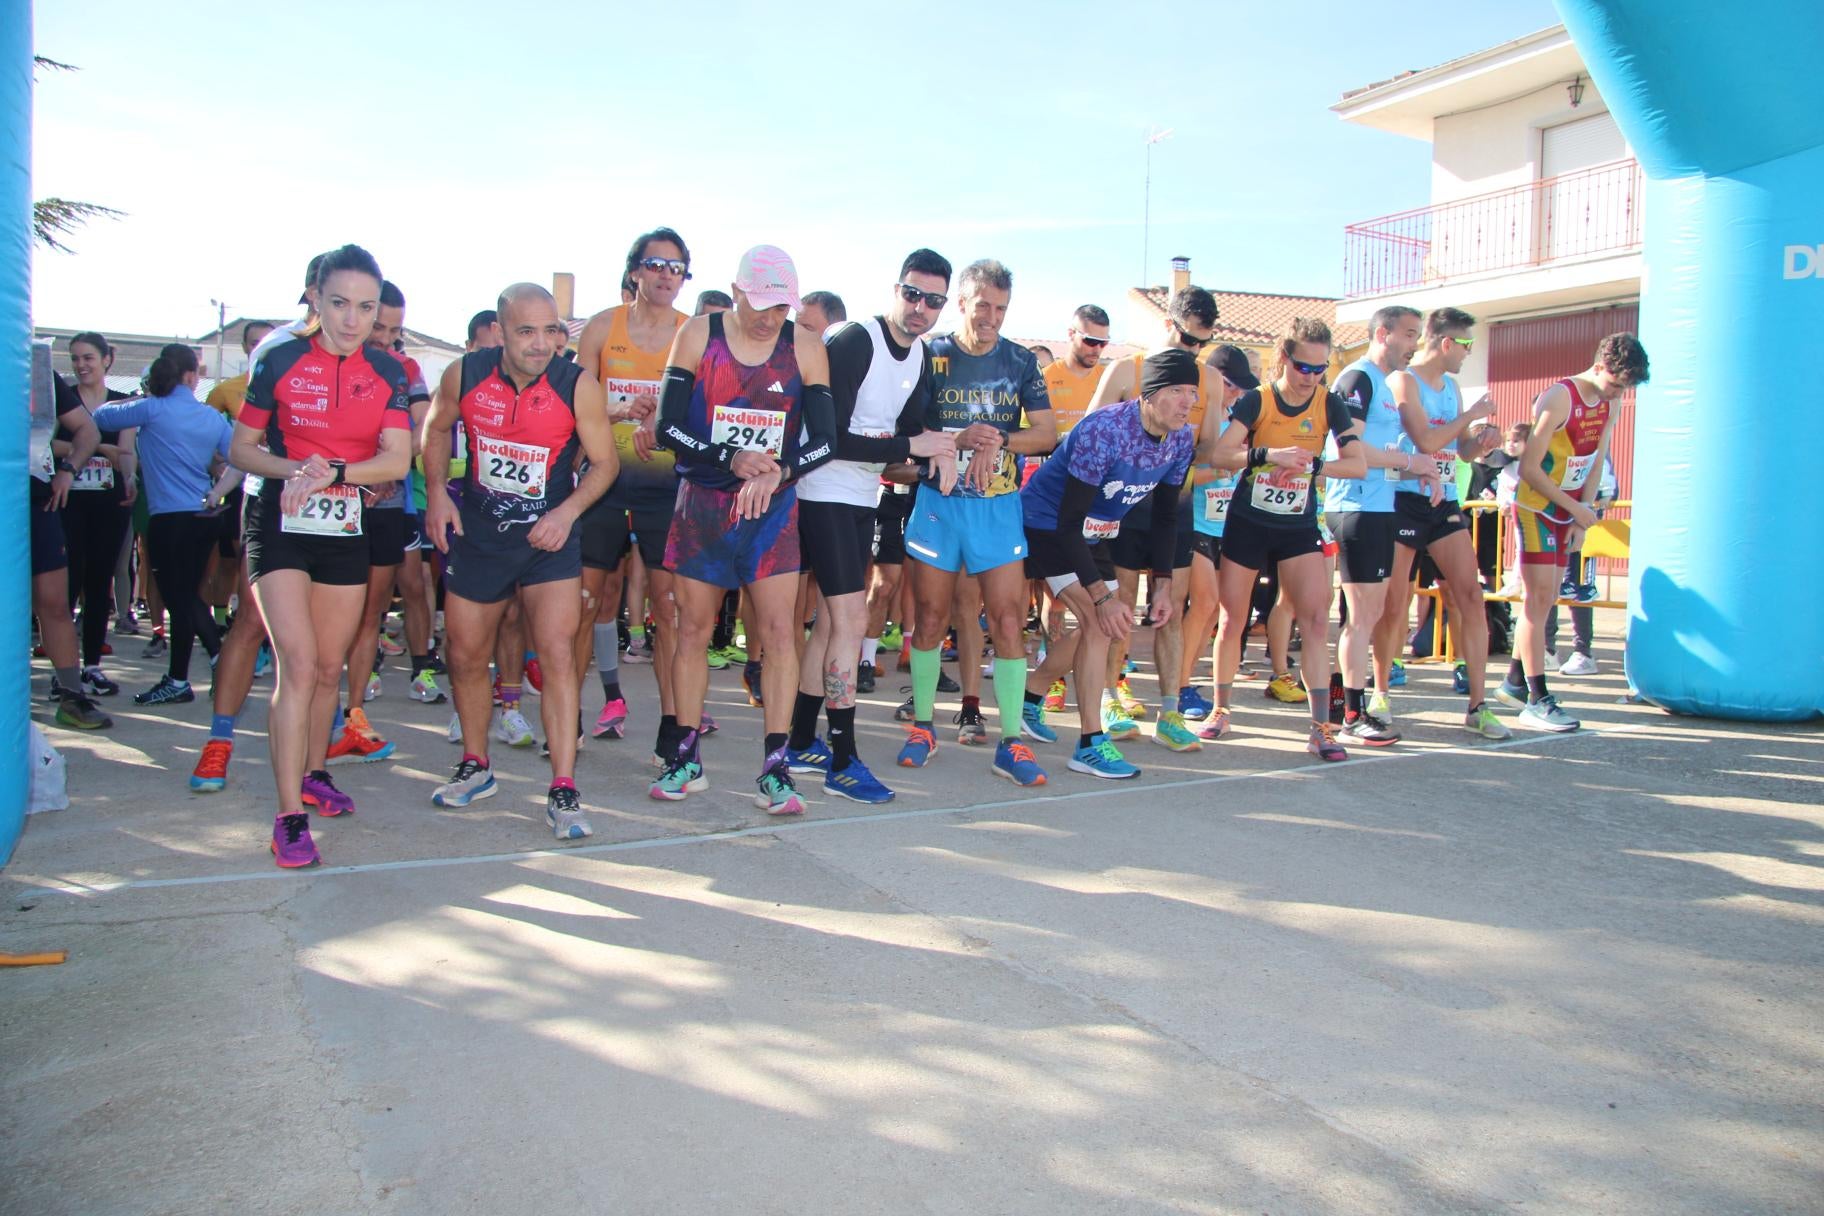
{"x":1153,"y":135}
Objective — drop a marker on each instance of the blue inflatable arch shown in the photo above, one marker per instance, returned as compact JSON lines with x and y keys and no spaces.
{"x":1725,"y":109}
{"x":15,"y":398}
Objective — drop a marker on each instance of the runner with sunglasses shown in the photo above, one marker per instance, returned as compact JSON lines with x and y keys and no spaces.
{"x":1272,"y":519}
{"x":880,"y":378}
{"x":1070,"y":382}
{"x":325,"y":415}
{"x":626,"y":347}
{"x":746,"y":407}
{"x":1427,"y":516}
{"x":1560,"y":476}
{"x":1188,"y":325}
{"x":983,"y":385}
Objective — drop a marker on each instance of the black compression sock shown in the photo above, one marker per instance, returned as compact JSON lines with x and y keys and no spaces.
{"x":804,"y":720}
{"x":1535,"y":690}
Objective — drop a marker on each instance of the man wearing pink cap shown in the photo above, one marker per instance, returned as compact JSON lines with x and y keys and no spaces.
{"x":746,"y":407}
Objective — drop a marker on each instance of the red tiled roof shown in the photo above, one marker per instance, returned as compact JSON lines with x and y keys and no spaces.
{"x":1253,"y":318}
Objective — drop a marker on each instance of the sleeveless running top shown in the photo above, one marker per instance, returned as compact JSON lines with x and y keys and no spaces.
{"x":754,"y":407}
{"x":1442,"y":405}
{"x":1070,"y":393}
{"x":627,"y":372}
{"x":1570,"y":455}
{"x":522,"y":445}
{"x":1363,"y":388}
{"x":1285,"y":498}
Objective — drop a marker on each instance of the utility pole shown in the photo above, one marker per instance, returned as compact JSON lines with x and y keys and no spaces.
{"x":1153,"y":136}
{"x":221,"y":323}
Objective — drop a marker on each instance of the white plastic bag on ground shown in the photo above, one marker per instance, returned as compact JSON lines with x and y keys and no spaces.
{"x":48,"y":788}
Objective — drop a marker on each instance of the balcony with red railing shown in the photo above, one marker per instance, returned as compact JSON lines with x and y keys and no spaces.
{"x":1575,"y":216}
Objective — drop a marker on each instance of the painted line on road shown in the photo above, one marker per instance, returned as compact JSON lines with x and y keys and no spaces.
{"x":1109,"y":790}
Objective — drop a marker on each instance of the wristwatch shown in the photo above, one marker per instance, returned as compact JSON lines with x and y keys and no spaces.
{"x":63,"y":463}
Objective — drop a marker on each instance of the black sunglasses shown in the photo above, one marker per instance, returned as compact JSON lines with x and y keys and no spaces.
{"x":1310,"y":369}
{"x":1093,"y":343}
{"x":668,"y":264}
{"x":1191,"y":340}
{"x":934,"y":300}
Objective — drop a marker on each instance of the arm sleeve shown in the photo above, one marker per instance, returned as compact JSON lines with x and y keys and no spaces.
{"x":1164,"y":527}
{"x":851,"y":353}
{"x":1356,"y":392}
{"x":1340,"y":420}
{"x":674,"y":421}
{"x":819,"y":443}
{"x":1073,"y":509}
{"x":912,"y":418}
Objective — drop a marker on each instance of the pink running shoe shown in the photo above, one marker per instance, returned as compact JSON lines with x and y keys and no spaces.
{"x":292,"y":846}
{"x":613,"y":722}
{"x":319,"y":791}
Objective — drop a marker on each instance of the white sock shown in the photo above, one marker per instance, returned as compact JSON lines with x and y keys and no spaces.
{"x":869,"y":648}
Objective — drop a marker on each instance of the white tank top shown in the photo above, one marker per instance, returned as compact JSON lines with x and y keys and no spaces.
{"x":878,"y":404}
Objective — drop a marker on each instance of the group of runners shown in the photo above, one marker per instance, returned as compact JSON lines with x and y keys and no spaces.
{"x":769,"y":460}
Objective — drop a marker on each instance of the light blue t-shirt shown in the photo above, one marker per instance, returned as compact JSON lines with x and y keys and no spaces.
{"x":177,"y":436}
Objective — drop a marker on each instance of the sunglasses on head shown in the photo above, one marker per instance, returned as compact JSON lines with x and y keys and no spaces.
{"x":1310,"y":369}
{"x":669,"y":265}
{"x":1189,"y":339}
{"x":934,"y":300}
{"x":1096,"y":343}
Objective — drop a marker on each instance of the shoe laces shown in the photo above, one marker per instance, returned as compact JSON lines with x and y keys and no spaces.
{"x":676,"y":765}
{"x":968,"y":717}
{"x":295,"y":826}
{"x":919,"y":734}
{"x":564,"y":799}
{"x":1326,"y":730}
{"x":1105,"y":749}
{"x":466,"y":768}
{"x":321,"y":777}
{"x":1021,"y":754}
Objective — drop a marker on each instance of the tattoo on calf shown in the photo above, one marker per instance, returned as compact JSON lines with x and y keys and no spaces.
{"x":838,"y":687}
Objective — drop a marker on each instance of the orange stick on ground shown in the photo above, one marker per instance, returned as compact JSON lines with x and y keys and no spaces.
{"x":44,"y":958}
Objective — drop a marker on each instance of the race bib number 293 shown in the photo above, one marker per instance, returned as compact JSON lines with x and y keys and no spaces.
{"x":331,"y":511}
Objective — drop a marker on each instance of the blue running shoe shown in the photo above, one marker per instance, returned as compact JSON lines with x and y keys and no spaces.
{"x":1032,"y":724}
{"x":921,"y":741}
{"x":1102,"y":759}
{"x":813,"y":759}
{"x":857,"y":784}
{"x":1014,"y":761}
{"x":1397,"y":679}
{"x":1459,"y":679}
{"x":1193,"y":704}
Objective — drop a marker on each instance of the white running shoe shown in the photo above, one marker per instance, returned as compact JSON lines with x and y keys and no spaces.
{"x":1578,"y":665}
{"x":513,"y":730}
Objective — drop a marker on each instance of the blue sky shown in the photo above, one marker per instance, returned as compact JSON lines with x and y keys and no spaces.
{"x":467,"y":146}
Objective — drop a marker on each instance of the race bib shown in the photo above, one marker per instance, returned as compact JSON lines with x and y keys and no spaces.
{"x":1100,"y":529}
{"x":98,"y":474}
{"x":1577,"y":471}
{"x":331,"y":511}
{"x":622,"y":391}
{"x":1280,"y":491}
{"x":966,"y":456}
{"x":1216,"y":501}
{"x":511,"y":468}
{"x":1447,"y":468}
{"x":749,"y":429}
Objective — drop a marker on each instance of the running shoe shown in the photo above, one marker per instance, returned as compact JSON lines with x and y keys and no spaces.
{"x":166,"y":692}
{"x":1285,"y":687}
{"x":564,"y":812}
{"x":211,"y":773}
{"x":262,"y":662}
{"x":733,"y":653}
{"x":905,"y":711}
{"x":125,"y":624}
{"x":455,"y":731}
{"x":945,"y":683}
{"x":319,"y":791}
{"x":891,"y":637}
{"x":1102,"y":759}
{"x":1173,"y":733}
{"x":864,"y":678}
{"x":920,"y":743}
{"x":535,"y":675}
{"x":856,"y":784}
{"x":79,"y":713}
{"x":1574,"y":665}
{"x":637,"y":652}
{"x":1586,"y":593}
{"x":1459,"y":679}
{"x":1115,"y":721}
{"x":1381,"y":706}
{"x":471,"y":782}
{"x":1511,"y":694}
{"x":358,"y":743}
{"x":374,"y":688}
{"x":292,"y":846}
{"x":424,"y":688}
{"x":1567,"y":590}
{"x":707,"y":725}
{"x":1367,"y":729}
{"x":95,"y":683}
{"x":1014,"y":761}
{"x":107,"y":651}
{"x":612,"y":724}
{"x":1215,"y":726}
{"x":1032,"y":724}
{"x":1397,"y":678}
{"x":947,"y":653}
{"x":156,"y":648}
{"x":512,"y":729}
{"x":750,"y":680}
{"x":716,"y":659}
{"x":776,"y":794}
{"x":1547,"y":714}
{"x":1128,"y":668}
{"x":1135,"y":707}
{"x":390,"y":647}
{"x":1054,"y":697}
{"x":970,"y":729}
{"x":544,"y":749}
{"x":1193,"y":704}
{"x":1482,"y":721}
{"x":1323,"y":744}
{"x":682,"y":776}
{"x":813,"y":759}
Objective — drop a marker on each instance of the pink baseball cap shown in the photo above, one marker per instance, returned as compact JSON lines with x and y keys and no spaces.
{"x":768,"y":277}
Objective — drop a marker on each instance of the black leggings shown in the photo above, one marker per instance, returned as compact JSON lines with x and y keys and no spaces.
{"x":180,"y":545}
{"x":94,"y":524}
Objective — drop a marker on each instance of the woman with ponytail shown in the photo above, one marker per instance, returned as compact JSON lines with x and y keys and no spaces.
{"x":182,"y":443}
{"x":99,"y":511}
{"x":325,"y":417}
